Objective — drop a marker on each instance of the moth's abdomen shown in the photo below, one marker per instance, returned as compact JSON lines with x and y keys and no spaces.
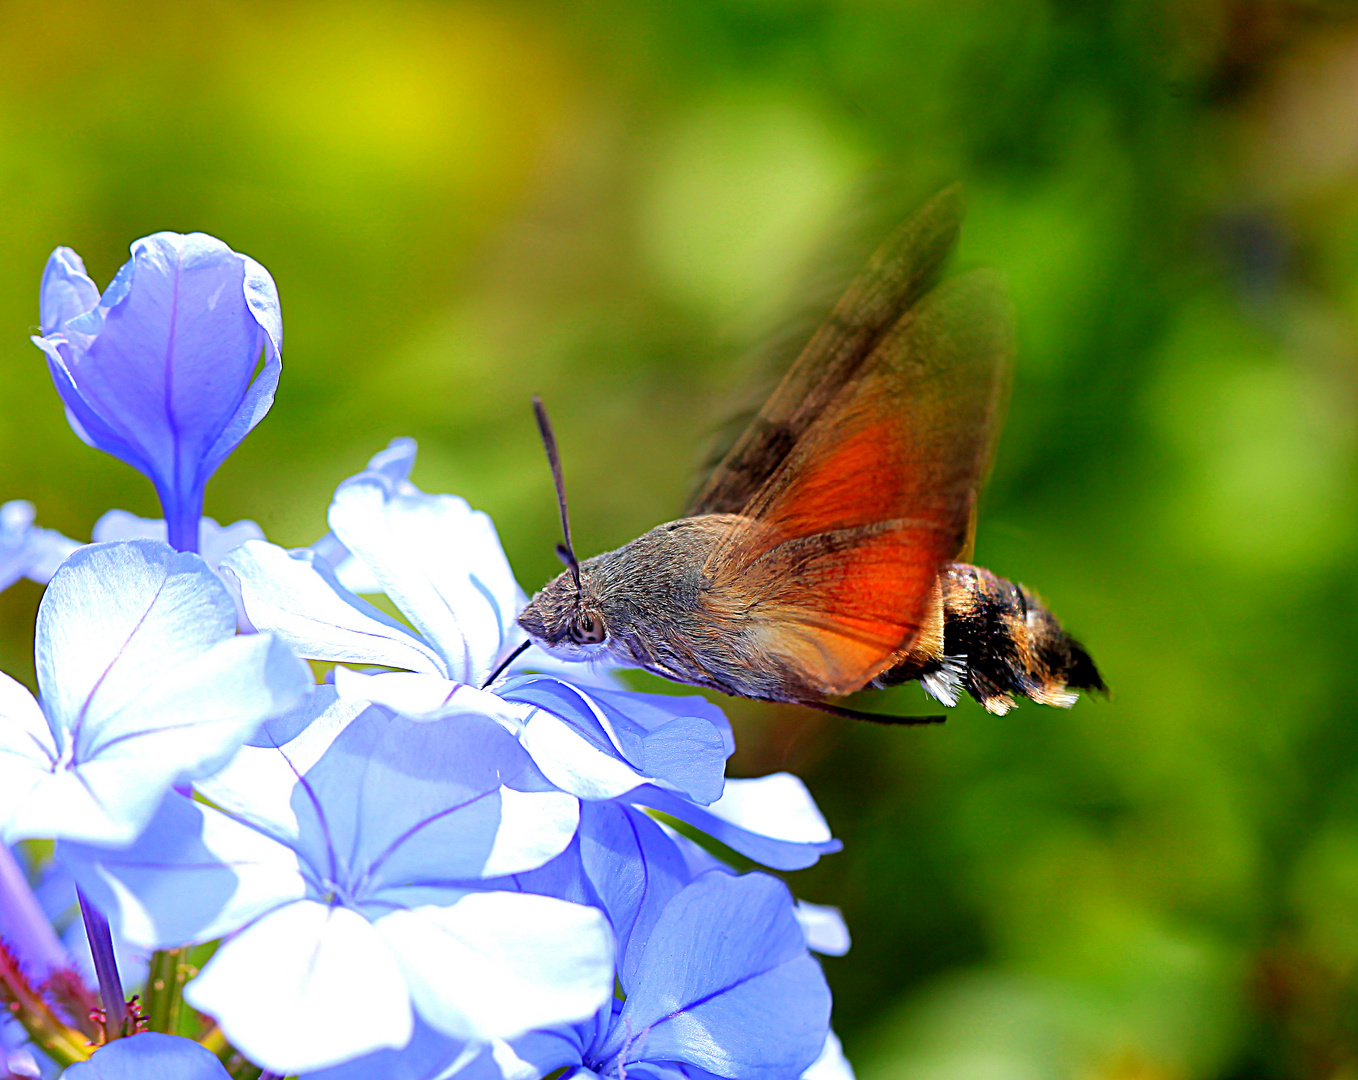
{"x":998,"y":640}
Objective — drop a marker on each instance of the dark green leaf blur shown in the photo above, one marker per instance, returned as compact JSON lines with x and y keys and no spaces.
{"x":617,"y":204}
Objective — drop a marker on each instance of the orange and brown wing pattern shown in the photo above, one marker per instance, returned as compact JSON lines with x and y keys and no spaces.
{"x":849,"y":532}
{"x":901,"y":271}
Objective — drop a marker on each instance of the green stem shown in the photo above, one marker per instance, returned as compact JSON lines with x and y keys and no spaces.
{"x":164,"y":990}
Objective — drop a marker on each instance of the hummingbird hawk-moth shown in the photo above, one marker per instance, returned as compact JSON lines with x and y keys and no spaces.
{"x":826,"y":552}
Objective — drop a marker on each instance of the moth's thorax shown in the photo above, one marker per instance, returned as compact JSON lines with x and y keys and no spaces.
{"x":652,"y":596}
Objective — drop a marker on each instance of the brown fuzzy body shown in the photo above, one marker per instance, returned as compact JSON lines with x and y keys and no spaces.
{"x":994,"y":639}
{"x":665,"y":611}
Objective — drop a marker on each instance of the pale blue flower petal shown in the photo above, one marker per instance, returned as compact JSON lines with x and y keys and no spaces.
{"x":521,"y":962}
{"x":308,"y":985}
{"x":145,"y":685}
{"x":214,"y":540}
{"x":452,"y":799}
{"x":27,"y":751}
{"x":772,"y":819}
{"x":350,"y":572}
{"x":26,"y":550}
{"x":602,"y":743}
{"x":194,"y":874}
{"x":438,"y":560}
{"x":66,"y":292}
{"x":832,"y":1064}
{"x":376,"y":801}
{"x":260,"y":784}
{"x":825,"y":929}
{"x":113,"y":621}
{"x":634,"y":870}
{"x":429,"y":1055}
{"x":20,"y":1056}
{"x":423,"y":696}
{"x":598,"y":671}
{"x":295,"y":595}
{"x":726,"y":985}
{"x":150,"y":1054}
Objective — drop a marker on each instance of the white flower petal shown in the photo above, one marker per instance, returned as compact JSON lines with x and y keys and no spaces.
{"x":832,"y":1064}
{"x":58,"y":804}
{"x":114,"y":620}
{"x":214,"y":540}
{"x":825,"y":929}
{"x":427,"y":697}
{"x":191,"y":722}
{"x":259,"y":783}
{"x":194,"y":874}
{"x":573,"y":763}
{"x":521,"y":962}
{"x":439,"y":561}
{"x":777,"y":806}
{"x":295,"y":595}
{"x":305,"y":987}
{"x":535,"y":827}
{"x":24,"y":733}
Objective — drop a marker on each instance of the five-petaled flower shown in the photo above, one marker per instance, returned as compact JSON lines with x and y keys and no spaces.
{"x":144,"y":684}
{"x":357,"y":861}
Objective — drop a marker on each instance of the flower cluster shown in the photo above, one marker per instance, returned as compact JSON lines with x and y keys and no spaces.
{"x":425,"y":866}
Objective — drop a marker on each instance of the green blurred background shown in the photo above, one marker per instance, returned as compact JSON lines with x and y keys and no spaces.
{"x":614,"y":203}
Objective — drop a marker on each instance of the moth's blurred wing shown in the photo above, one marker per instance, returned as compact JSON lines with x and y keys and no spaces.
{"x":848,"y":535}
{"x":902,"y":270}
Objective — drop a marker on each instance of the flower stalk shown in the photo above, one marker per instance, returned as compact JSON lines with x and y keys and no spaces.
{"x":164,"y":990}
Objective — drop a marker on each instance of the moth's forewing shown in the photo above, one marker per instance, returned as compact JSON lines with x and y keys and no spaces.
{"x":852,"y":528}
{"x":901,"y":271}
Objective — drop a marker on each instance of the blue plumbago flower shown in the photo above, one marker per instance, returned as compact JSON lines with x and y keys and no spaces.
{"x":150,"y":1054}
{"x":712,"y":968}
{"x":26,"y":550}
{"x":442,"y":565}
{"x":355,"y":868}
{"x":160,"y":371}
{"x":144,"y":684}
{"x":722,"y":985}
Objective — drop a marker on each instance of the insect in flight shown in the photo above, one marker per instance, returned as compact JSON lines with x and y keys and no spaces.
{"x":827,"y":551}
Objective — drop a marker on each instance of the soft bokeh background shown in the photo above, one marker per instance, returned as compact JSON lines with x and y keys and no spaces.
{"x":614,"y":203}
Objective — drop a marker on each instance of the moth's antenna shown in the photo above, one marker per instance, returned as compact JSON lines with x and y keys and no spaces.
{"x":565,"y":552}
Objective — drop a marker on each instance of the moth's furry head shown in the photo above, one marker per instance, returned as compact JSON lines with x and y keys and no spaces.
{"x":567,"y":620}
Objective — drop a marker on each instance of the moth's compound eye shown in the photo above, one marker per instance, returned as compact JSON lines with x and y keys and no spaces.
{"x":588,"y":629}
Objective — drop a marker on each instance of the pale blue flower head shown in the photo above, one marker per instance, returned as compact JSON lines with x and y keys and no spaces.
{"x":355,"y":869}
{"x":713,"y":972}
{"x":160,"y":371}
{"x":144,"y":684}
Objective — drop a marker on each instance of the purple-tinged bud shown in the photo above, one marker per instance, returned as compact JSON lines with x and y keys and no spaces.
{"x":161,"y":371}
